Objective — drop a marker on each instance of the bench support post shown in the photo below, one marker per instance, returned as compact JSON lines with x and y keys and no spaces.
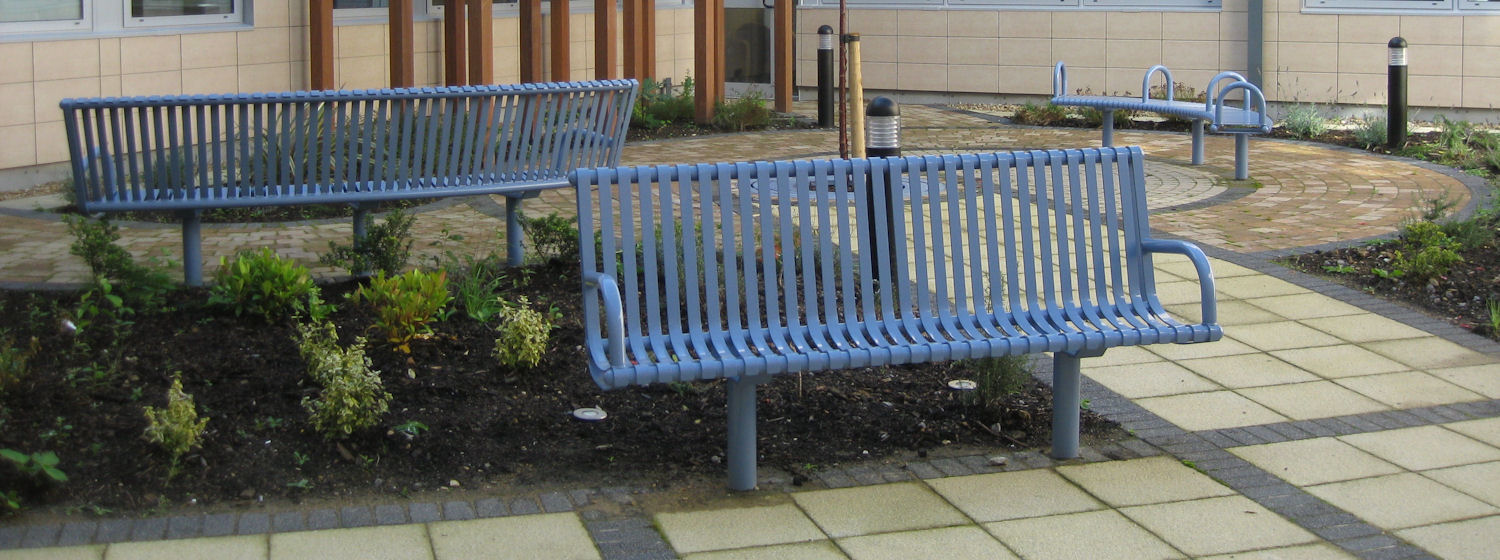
{"x":1197,"y":142}
{"x":1066,"y":395}
{"x":513,"y":234}
{"x":741,"y":451}
{"x":361,"y":224}
{"x":1241,"y":156}
{"x":1109,"y":127}
{"x":192,"y":248}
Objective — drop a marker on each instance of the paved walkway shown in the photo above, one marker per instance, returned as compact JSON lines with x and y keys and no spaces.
{"x":1327,"y":423}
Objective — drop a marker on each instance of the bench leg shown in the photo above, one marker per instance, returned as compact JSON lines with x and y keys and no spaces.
{"x":741,"y":451}
{"x":1241,"y":156}
{"x":1109,"y":127}
{"x":1197,"y":142}
{"x":361,"y":224}
{"x":514,"y":256}
{"x":1065,"y":403}
{"x":192,"y":248}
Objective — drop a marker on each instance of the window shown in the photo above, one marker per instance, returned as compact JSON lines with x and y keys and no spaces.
{"x":1430,"y":7}
{"x":114,"y":17}
{"x":1175,"y":5}
{"x":41,"y":15}
{"x":181,"y":12}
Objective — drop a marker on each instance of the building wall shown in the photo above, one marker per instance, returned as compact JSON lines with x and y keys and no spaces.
{"x":271,"y":56}
{"x":1320,"y":58}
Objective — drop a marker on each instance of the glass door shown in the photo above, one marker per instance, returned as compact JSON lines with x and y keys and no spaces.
{"x":747,"y":47}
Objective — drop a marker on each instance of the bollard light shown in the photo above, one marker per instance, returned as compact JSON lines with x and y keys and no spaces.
{"x":883,"y":128}
{"x":1396,"y":95}
{"x":826,"y":39}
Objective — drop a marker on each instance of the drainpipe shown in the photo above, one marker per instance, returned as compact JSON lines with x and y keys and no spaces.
{"x":1255,"y":42}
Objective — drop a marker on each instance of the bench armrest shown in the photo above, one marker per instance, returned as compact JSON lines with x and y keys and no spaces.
{"x":1200,"y":263}
{"x":1213,"y":85}
{"x":1252,"y":96}
{"x":605,"y":288}
{"x":1059,"y":80}
{"x":1146,"y":83}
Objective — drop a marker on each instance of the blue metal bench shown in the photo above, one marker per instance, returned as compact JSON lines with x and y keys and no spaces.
{"x":1216,"y":110}
{"x":190,"y":153}
{"x":748,"y":270}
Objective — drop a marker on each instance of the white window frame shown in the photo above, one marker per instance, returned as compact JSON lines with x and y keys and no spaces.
{"x":1400,"y":7}
{"x":86,"y":21}
{"x":105,"y":18}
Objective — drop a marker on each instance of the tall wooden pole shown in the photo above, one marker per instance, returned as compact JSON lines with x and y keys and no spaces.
{"x":783,"y":53}
{"x":648,"y":39}
{"x":320,"y":48}
{"x":562,"y":59}
{"x":481,"y":42}
{"x":531,"y":40}
{"x":708,"y":50}
{"x":605,"y":35}
{"x":403,"y":46}
{"x":630,"y":17}
{"x":454,"y":44}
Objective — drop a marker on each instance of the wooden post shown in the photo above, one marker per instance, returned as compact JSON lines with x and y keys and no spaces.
{"x":320,"y":49}
{"x":531,"y":40}
{"x":708,"y":30}
{"x":605,"y":36}
{"x":562,"y":60}
{"x":481,"y":42}
{"x":403,"y":46}
{"x":783,"y":62}
{"x":453,"y":44}
{"x":648,"y":38}
{"x":630,"y":17}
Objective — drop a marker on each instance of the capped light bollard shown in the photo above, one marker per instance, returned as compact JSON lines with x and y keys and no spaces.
{"x":1395,"y":120}
{"x":883,"y":139}
{"x":826,"y":40}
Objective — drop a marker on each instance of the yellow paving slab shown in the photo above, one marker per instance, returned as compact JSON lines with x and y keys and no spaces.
{"x":1344,"y":360}
{"x":848,"y":512}
{"x":371,"y":543}
{"x":1281,"y":335}
{"x":1480,"y":480}
{"x":1092,"y":535}
{"x":1213,"y":410}
{"x":1482,"y":379}
{"x":1011,"y":495}
{"x":1317,"y":399}
{"x":1319,"y":551}
{"x":1473,"y":539}
{"x":1121,"y":356}
{"x":1257,"y":286}
{"x":1218,"y":525}
{"x":1247,"y":370}
{"x":1222,"y":347}
{"x":958,"y":543}
{"x":249,"y":547}
{"x":1423,"y":447}
{"x":1401,"y":500}
{"x":1365,"y":327}
{"x":1409,"y":389}
{"x":1429,"y":352}
{"x":1152,"y":379}
{"x":1486,"y":430}
{"x":820,"y":550}
{"x":95,"y":552}
{"x":1305,"y":306}
{"x":1232,"y":313}
{"x":558,"y":536}
{"x":1315,"y":461}
{"x":698,"y":531}
{"x":1143,"y":481}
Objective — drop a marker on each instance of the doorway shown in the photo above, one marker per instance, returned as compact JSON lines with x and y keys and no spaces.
{"x":747,"y":47}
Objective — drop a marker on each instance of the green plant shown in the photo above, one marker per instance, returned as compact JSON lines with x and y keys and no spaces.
{"x":1039,"y":115}
{"x":176,"y":428}
{"x":1339,"y":269}
{"x":1093,"y":117}
{"x":746,"y":113}
{"x":1371,"y":132}
{"x":523,"y":335}
{"x":1305,"y":120}
{"x":41,"y":465}
{"x":386,"y":247}
{"x":475,"y":288}
{"x":1435,"y":252}
{"x":658,"y":106}
{"x":552,"y":237}
{"x":405,"y":305}
{"x":13,"y":362}
{"x":996,"y":378}
{"x":95,"y":241}
{"x":353,"y":397}
{"x":263,"y":283}
{"x":410,"y":428}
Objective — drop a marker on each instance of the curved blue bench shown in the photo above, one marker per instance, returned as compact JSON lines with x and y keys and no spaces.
{"x":189,"y":153}
{"x":746,"y":271}
{"x":1216,"y":111}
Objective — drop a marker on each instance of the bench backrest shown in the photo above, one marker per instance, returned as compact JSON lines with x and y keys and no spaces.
{"x":1050,"y":239}
{"x":200,"y":151}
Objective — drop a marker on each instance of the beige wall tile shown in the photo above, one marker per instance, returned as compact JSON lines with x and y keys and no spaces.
{"x":1123,"y":81}
{"x":922,"y":50}
{"x":205,"y":50}
{"x":151,"y":83}
{"x":1482,"y":92}
{"x":264,"y":46}
{"x":1232,"y":56}
{"x":1368,"y":28}
{"x":1236,"y":5}
{"x":274,"y":76}
{"x":1190,"y":26}
{"x":15,"y":63}
{"x":277,"y":13}
{"x":1307,"y":57}
{"x":1432,"y":30}
{"x":1435,"y":91}
{"x":109,"y":86}
{"x":1027,"y":24}
{"x":919,"y":23}
{"x":109,"y":56}
{"x":1436,"y":60}
{"x":963,"y":78}
{"x":1026,"y":79}
{"x":429,"y":38}
{"x":150,"y":54}
{"x":18,"y":107}
{"x":1306,"y":27}
{"x":1080,"y":53}
{"x":220,"y":79}
{"x":361,"y":40}
{"x":1079,"y":25}
{"x":1482,"y":31}
{"x":61,"y":60}
{"x":1368,"y":89}
{"x":1362,"y":58}
{"x":17,"y":146}
{"x":1482,"y":62}
{"x":362,"y":72}
{"x":809,"y":19}
{"x":1085,"y":80}
{"x":1306,"y":87}
{"x":507,"y":31}
{"x":921,"y":77}
{"x":1133,"y":25}
{"x":883,"y":48}
{"x":974,"y":50}
{"x":971,"y":23}
{"x":873,"y":22}
{"x":51,"y":142}
{"x":1026,"y":52}
{"x":1190,"y":55}
{"x":1135,"y":54}
{"x":880,"y":75}
{"x":46,"y":95}
{"x":1233,"y":27}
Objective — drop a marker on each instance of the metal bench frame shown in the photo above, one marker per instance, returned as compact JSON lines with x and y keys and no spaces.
{"x":692,"y":277}
{"x":1217,"y":110}
{"x":189,"y":153}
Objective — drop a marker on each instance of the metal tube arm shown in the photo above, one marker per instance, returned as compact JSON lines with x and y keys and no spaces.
{"x":1200,"y":263}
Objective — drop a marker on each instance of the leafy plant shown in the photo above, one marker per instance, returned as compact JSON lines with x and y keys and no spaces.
{"x":1339,"y":269}
{"x":1305,"y":120}
{"x":410,"y":428}
{"x":746,"y":113}
{"x":1494,"y":309}
{"x":1371,"y":132}
{"x":41,"y":465}
{"x":997,"y":378}
{"x":386,"y":247}
{"x":14,"y":362}
{"x":95,"y":241}
{"x":658,"y":106}
{"x":552,"y":237}
{"x":263,"y":283}
{"x":1093,"y":117}
{"x":353,"y":397}
{"x":523,"y":335}
{"x":405,"y":305}
{"x":1435,"y":252}
{"x":1039,"y":115}
{"x":476,"y":287}
{"x":176,"y":428}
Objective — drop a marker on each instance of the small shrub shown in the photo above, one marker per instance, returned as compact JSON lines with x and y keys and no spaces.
{"x":1372,"y":132}
{"x":176,"y":428}
{"x":1180,"y":92}
{"x":14,"y":362}
{"x":1094,"y":118}
{"x":406,"y":304}
{"x":523,"y":335}
{"x":263,"y":283}
{"x":386,"y":247}
{"x":1435,"y":253}
{"x":1305,"y":120}
{"x":95,"y":241}
{"x":998,"y":378}
{"x":1040,"y":115}
{"x":746,"y":113}
{"x":476,"y":287}
{"x":657,"y":106}
{"x":552,"y":237}
{"x":353,"y":397}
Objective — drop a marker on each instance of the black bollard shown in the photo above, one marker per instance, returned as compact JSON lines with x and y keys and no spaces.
{"x":883,"y":139}
{"x":1396,"y":97}
{"x":825,"y":76}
